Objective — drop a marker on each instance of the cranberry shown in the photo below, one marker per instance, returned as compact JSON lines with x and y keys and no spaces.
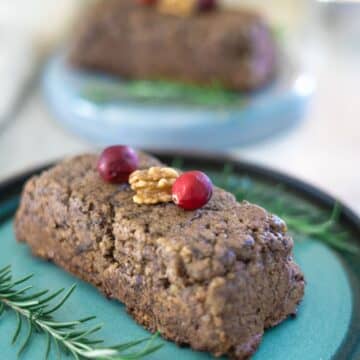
{"x":192,"y":190}
{"x":146,"y":2}
{"x":206,"y":5}
{"x":116,"y":163}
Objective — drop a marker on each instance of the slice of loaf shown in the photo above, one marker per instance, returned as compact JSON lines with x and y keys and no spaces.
{"x":213,"y":278}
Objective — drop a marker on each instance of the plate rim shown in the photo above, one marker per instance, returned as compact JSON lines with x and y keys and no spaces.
{"x":286,"y":107}
{"x":11,"y":187}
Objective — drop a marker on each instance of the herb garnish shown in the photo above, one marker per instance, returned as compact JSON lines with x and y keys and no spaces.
{"x":161,"y":91}
{"x":302,"y":220}
{"x":36,"y":309}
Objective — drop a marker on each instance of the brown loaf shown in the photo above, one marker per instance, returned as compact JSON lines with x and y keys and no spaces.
{"x":213,"y":278}
{"x":234,"y":49}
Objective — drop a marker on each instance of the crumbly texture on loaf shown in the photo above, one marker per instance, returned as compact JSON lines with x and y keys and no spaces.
{"x":235,"y":49}
{"x":213,"y":278}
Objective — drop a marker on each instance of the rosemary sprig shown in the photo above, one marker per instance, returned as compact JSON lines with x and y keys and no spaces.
{"x":302,"y":220}
{"x":161,"y":91}
{"x":36,"y":310}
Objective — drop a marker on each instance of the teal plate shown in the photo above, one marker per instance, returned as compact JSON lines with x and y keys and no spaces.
{"x":328,"y":321}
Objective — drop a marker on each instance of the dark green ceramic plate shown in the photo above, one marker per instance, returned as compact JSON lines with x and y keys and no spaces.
{"x":328,"y":321}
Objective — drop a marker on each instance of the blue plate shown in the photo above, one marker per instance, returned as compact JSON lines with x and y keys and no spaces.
{"x":327,"y":325}
{"x":174,"y":125}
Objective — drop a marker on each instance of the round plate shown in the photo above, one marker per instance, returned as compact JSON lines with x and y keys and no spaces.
{"x":328,"y":321}
{"x":175,"y":125}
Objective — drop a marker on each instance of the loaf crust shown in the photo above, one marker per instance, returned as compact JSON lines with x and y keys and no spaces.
{"x":234,"y":49}
{"x":213,"y":278}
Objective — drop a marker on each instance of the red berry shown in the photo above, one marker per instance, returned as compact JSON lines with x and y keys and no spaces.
{"x":146,"y":2}
{"x":192,"y":190}
{"x":206,"y":5}
{"x":116,"y":163}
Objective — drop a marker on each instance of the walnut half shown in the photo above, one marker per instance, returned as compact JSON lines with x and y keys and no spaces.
{"x":177,"y":7}
{"x":153,"y":185}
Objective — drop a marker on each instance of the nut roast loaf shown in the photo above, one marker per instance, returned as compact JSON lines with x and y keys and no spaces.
{"x":234,"y":49}
{"x":213,"y":278}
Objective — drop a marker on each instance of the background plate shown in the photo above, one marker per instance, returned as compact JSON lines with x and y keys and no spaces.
{"x":327,"y":326}
{"x":262,"y":114}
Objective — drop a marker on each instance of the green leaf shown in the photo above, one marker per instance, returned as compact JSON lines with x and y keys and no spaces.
{"x":32,"y":296}
{"x":18,"y":328}
{"x":149,"y":349}
{"x":5,"y":269}
{"x":48,"y":346}
{"x":4,"y":273}
{"x":2,"y":309}
{"x":125,"y":346}
{"x":57,"y":349}
{"x":86,"y":333}
{"x":92,"y":342}
{"x":89,"y":318}
{"x":21,"y":291}
{"x":24,"y":279}
{"x":75,"y":355}
{"x":62,"y":302}
{"x":143,"y":353}
{"x":51,"y":297}
{"x":27,"y":339}
{"x":61,"y":324}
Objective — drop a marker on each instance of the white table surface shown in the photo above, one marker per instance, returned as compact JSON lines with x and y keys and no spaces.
{"x":323,"y":150}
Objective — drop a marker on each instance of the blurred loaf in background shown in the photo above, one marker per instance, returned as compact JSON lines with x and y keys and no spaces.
{"x":231,"y":48}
